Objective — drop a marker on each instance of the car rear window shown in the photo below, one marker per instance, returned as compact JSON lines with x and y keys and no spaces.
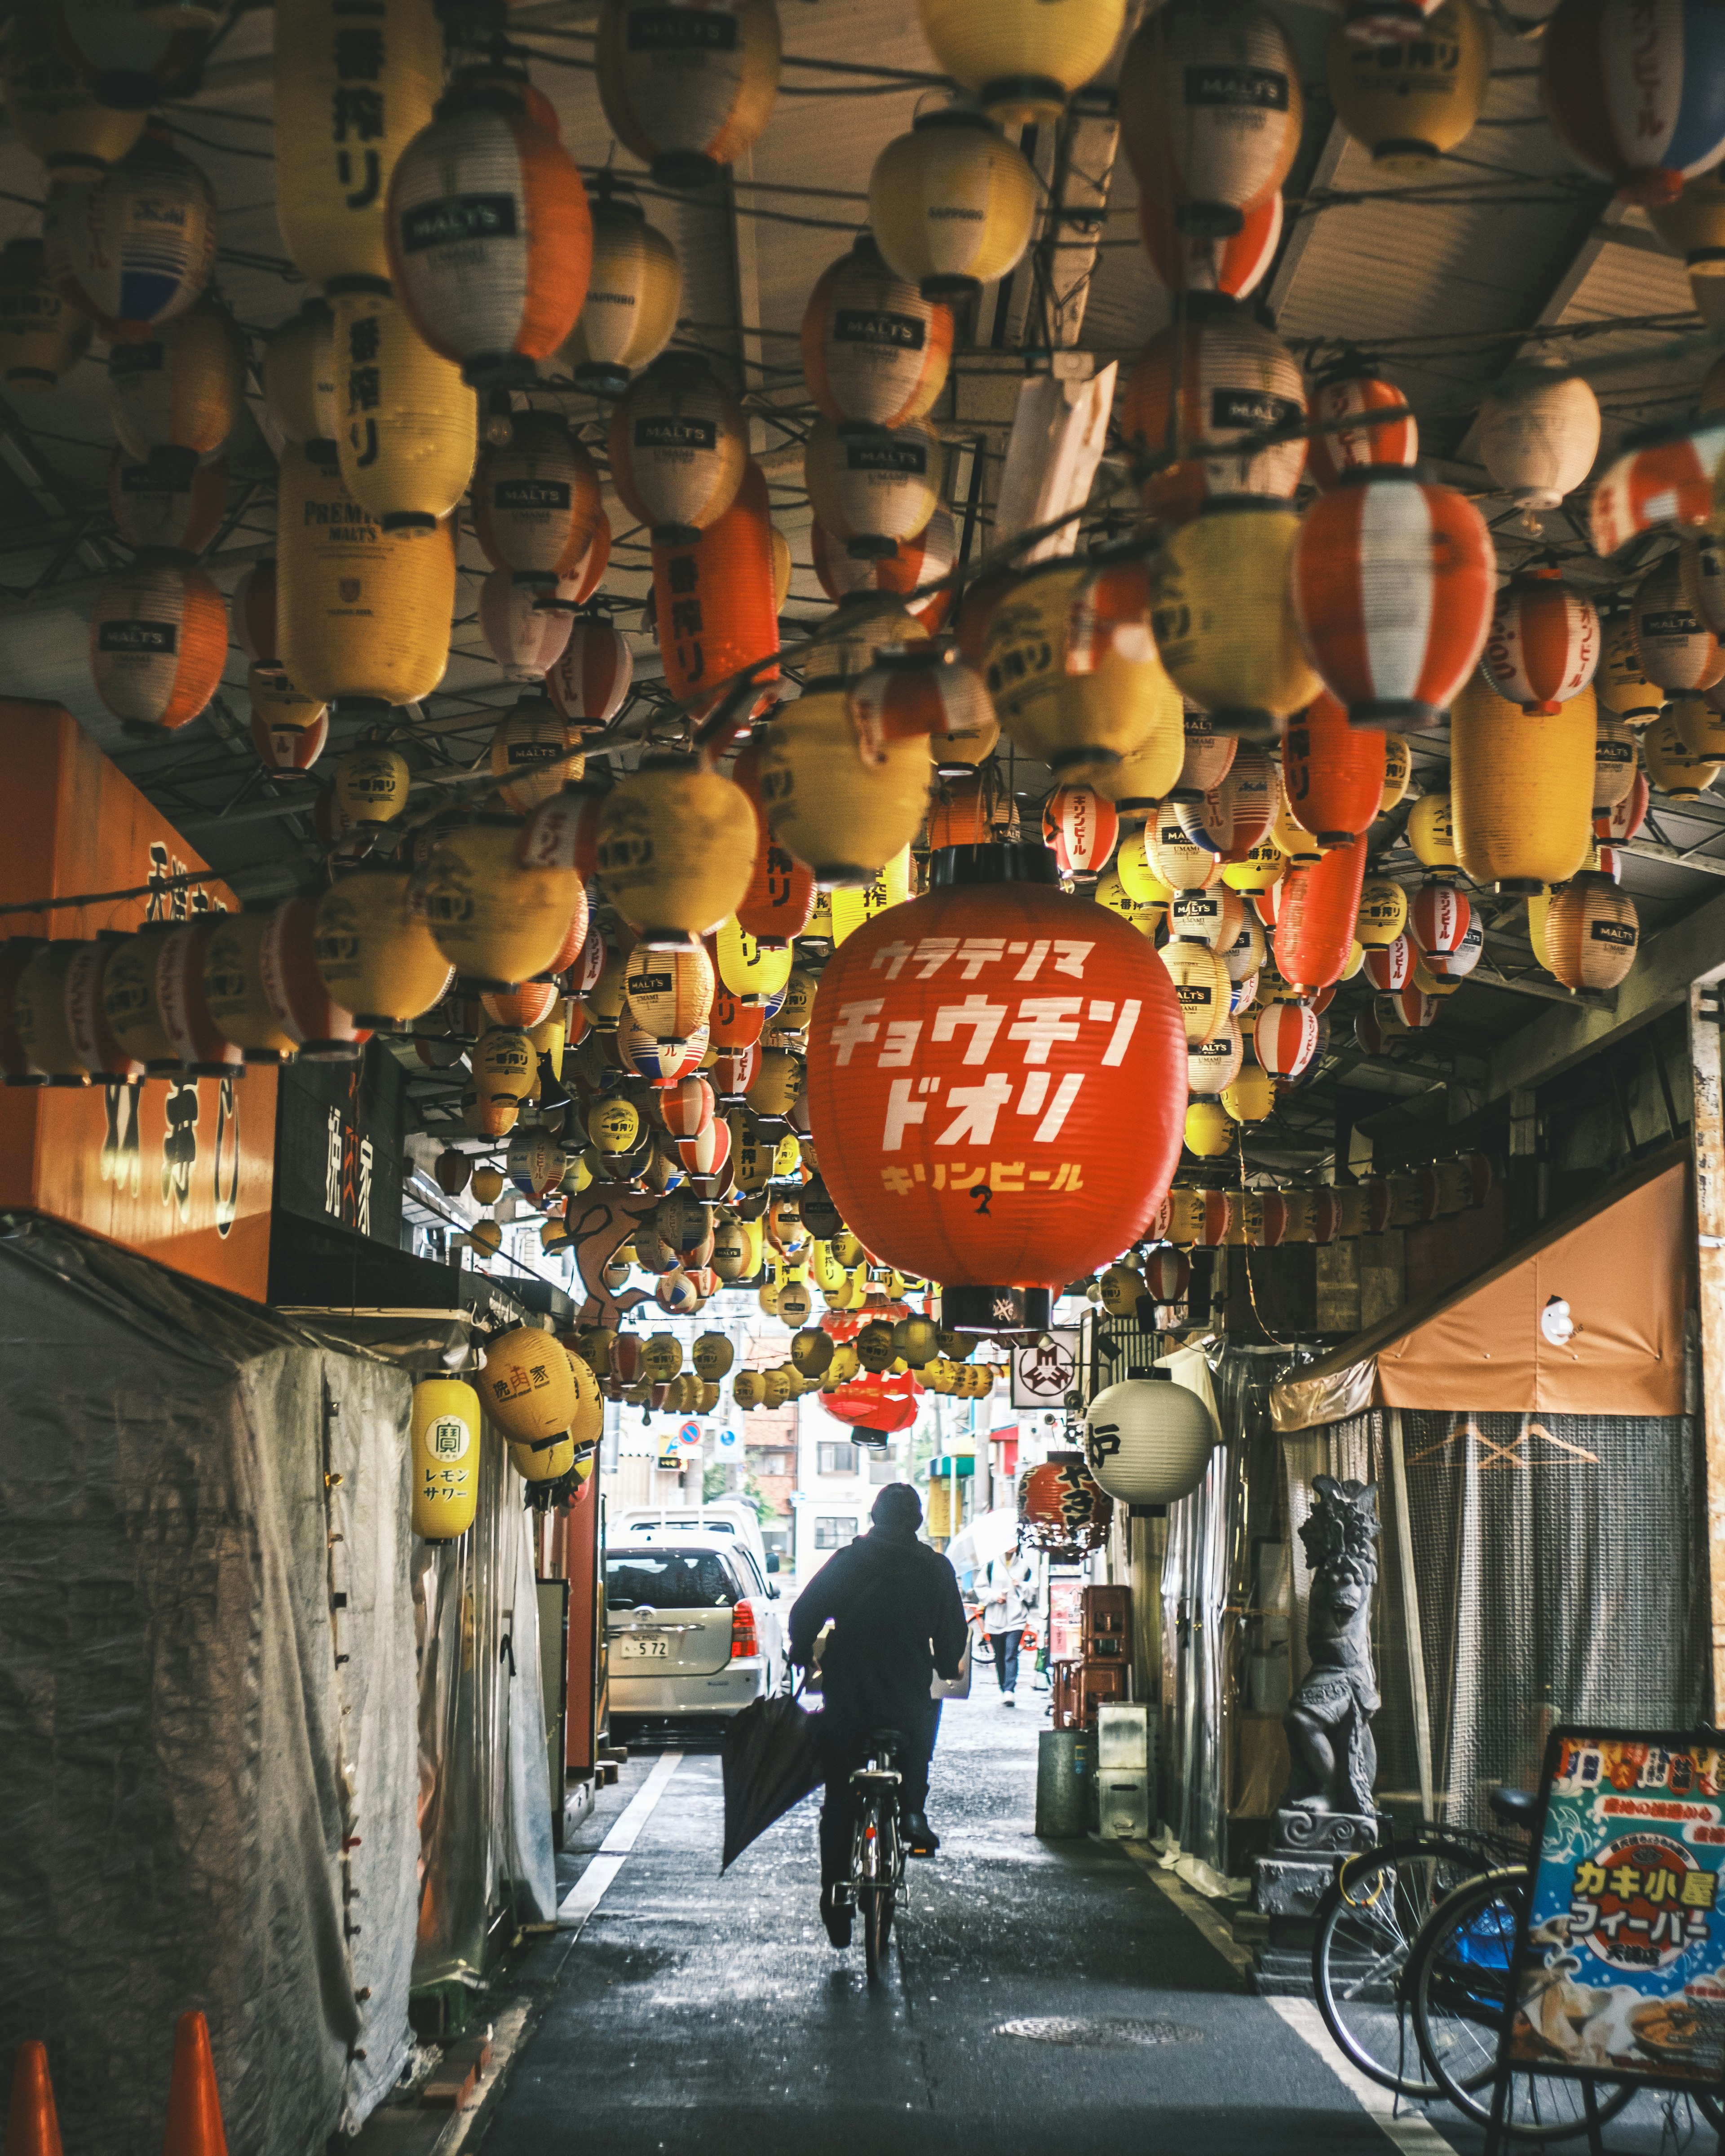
{"x":668,"y":1579}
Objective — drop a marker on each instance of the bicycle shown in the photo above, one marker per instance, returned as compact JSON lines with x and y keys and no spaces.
{"x":877,"y":1848}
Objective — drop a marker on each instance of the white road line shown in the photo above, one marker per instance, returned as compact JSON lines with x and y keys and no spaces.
{"x":1410,"y":2130}
{"x":590,"y":1890}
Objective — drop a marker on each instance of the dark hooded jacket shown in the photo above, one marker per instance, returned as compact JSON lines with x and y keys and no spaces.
{"x":897,"y":1619}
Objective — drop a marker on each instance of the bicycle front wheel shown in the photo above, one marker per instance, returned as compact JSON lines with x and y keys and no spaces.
{"x":1367,"y":1923}
{"x":1458,"y":1979}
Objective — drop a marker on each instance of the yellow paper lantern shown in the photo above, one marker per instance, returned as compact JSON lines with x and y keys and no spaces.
{"x":373,"y":950}
{"x":1397,"y":770}
{"x":1223,"y":617}
{"x":1621,"y":686}
{"x":407,"y":427}
{"x":951,"y":204}
{"x":444,"y":1437}
{"x":505,"y":1072}
{"x":1210,"y":1129}
{"x":614,"y":1126}
{"x":53,"y":111}
{"x":1252,"y":1096}
{"x":493,"y":920}
{"x":1201,"y":987}
{"x":173,"y":397}
{"x":1431,"y":834}
{"x":1522,"y":788}
{"x":528,"y":1388}
{"x":1262,"y":870}
{"x":1410,"y":99}
{"x":1024,"y":58}
{"x":234,"y":989}
{"x":675,"y":849}
{"x":299,"y":376}
{"x":1383,"y":913}
{"x":1671,"y":770}
{"x":371,"y":783}
{"x":43,"y":337}
{"x":844,"y":818}
{"x":633,"y":297}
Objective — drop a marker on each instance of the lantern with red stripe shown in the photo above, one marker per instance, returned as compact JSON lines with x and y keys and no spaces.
{"x":1350,"y":395}
{"x":1236,"y":263}
{"x":1635,"y":94}
{"x":734,"y":1070}
{"x":878,"y":1402}
{"x":1624,"y":818}
{"x":1454,"y":966}
{"x":1543,"y":645}
{"x":679,"y":447}
{"x":252,"y":612}
{"x":874,"y":351}
{"x":713,"y":598}
{"x":1054,"y":1079}
{"x":706,"y":1156}
{"x":1286,"y":1038}
{"x":1663,"y":477}
{"x":1209,"y":757}
{"x":1592,"y":932}
{"x":288,"y":730}
{"x":490,"y":241}
{"x":589,"y":681}
{"x":1238,"y":812}
{"x":1167,"y":1274}
{"x":686,"y":1108}
{"x":927,"y":688}
{"x":1390,"y":966}
{"x":779,"y":902}
{"x":536,"y":510}
{"x":1332,"y":772}
{"x":1060,"y":1509}
{"x":158,"y":640}
{"x":661,"y":1063}
{"x":526,"y":629}
{"x":1082,"y":829}
{"x":923,"y":560}
{"x":1236,"y":378}
{"x":1314,"y":927}
{"x":1416,"y":1008}
{"x":1438,"y":920}
{"x":1393,"y":583}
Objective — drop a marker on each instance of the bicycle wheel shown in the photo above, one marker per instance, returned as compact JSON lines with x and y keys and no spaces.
{"x":874,"y":1885}
{"x":1367,"y":1923}
{"x":1458,"y":1979}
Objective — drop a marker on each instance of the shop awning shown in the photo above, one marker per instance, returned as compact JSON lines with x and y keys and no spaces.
{"x":1585,"y":1317}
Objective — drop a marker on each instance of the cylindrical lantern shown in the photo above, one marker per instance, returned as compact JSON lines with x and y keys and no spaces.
{"x":1364,"y":421}
{"x":158,"y":640}
{"x":1148,"y":1443}
{"x":678,"y":445}
{"x":40,"y":1017}
{"x":490,"y":238}
{"x":1522,"y":788}
{"x":371,"y":783}
{"x":183,"y":1006}
{"x":1314,"y":930}
{"x":173,"y":397}
{"x":1677,"y":651}
{"x":1670,"y":767}
{"x":374,"y":950}
{"x":135,"y":247}
{"x":495,"y":921}
{"x":717,"y":613}
{"x":1000,"y":1239}
{"x":1175,"y":858}
{"x":1333,"y":773}
{"x":951,"y":204}
{"x":1223,"y":617}
{"x":1410,"y":99}
{"x":588,"y":684}
{"x":874,"y":351}
{"x":537,"y":508}
{"x":1212,"y":1065}
{"x":669,"y":993}
{"x":1538,"y":436}
{"x":445,"y":1435}
{"x":407,"y":431}
{"x":686,"y":92}
{"x":43,"y":335}
{"x":1649,"y":138}
{"x":1236,"y":379}
{"x":233,"y":988}
{"x":1543,"y":645}
{"x":1592,"y":932}
{"x":633,"y":296}
{"x":1392,"y":585}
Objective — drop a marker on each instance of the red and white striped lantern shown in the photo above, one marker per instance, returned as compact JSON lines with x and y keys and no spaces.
{"x":874,"y":351}
{"x":1457,"y":964}
{"x":928,"y":690}
{"x":1236,"y":379}
{"x":1286,"y":1038}
{"x":1632,"y":90}
{"x":734,"y":1070}
{"x":1393,"y":582}
{"x":1620,"y":822}
{"x":526,"y":628}
{"x":706,"y":1156}
{"x":1664,"y":478}
{"x":1234,"y":264}
{"x":1543,"y":647}
{"x":158,"y":640}
{"x":1082,"y":829}
{"x":1167,"y":1274}
{"x":1350,"y":397}
{"x":687,"y":1107}
{"x":1415,"y":1007}
{"x":1390,"y":966}
{"x":591,"y":677}
{"x":1438,"y":920}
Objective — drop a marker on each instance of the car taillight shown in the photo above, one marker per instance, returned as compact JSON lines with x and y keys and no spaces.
{"x":745,"y":1641}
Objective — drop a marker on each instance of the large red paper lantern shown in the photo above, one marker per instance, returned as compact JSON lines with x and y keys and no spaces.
{"x":997,"y":1086}
{"x":884,"y":1401}
{"x":1332,"y":773}
{"x":1350,"y":395}
{"x":1061,"y":1508}
{"x":1393,"y":584}
{"x":1314,"y":927}
{"x":1543,"y":645}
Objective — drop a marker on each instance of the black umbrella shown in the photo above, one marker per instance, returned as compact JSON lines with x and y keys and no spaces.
{"x":771,"y":1757}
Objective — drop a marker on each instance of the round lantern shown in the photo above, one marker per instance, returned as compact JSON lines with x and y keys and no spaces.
{"x":1215,"y":917}
{"x":371,"y":783}
{"x":506,"y":1071}
{"x":1346,"y":397}
{"x":686,"y":94}
{"x":1543,"y":645}
{"x":588,"y":682}
{"x":406,"y":431}
{"x":359,"y":612}
{"x":1285,"y":1037}
{"x":1663,"y":477}
{"x":529,"y":1388}
{"x":1670,"y":767}
{"x":1678,"y":652}
{"x":1333,"y":773}
{"x":1521,"y":788}
{"x":181,"y":514}
{"x":1259,"y":872}
{"x":1061,"y":1509}
{"x":633,"y":293}
{"x":299,"y":373}
{"x":1236,"y":379}
{"x":288,"y":730}
{"x":717,"y":613}
{"x":40,"y":1015}
{"x":842,"y":817}
{"x":872,"y":487}
{"x":914,"y":562}
{"x":1314,"y":927}
{"x":134,"y":248}
{"x":679,"y":444}
{"x":1700,"y":727}
{"x":1023,"y":61}
{"x":1623,"y":820}
{"x":675,"y":849}
{"x":1239,"y":811}
{"x":1393,"y":587}
{"x":135,"y":57}
{"x":1223,"y":618}
{"x":1209,"y":1128}
{"x":614,"y":1126}
{"x":1410,"y":100}
{"x":1148,"y":1443}
{"x":233,"y":988}
{"x":490,"y":238}
{"x":525,"y":629}
{"x":874,"y":351}
{"x":173,"y":397}
{"x":1190,"y":76}
{"x":1208,"y":757}
{"x":1236,"y":263}
{"x":1703,"y":579}
{"x":158,"y":640}
{"x":1202,"y":988}
{"x":43,"y":335}
{"x":373,"y":950}
{"x":1439,"y":920}
{"x":495,"y":921}
{"x":1591,"y":933}
{"x":1648,"y":140}
{"x":1538,"y":436}
{"x":321,"y":1029}
{"x":1431,"y":834}
{"x":1251,"y":1096}
{"x":928,"y":688}
{"x":1055,"y":1115}
{"x":53,"y":111}
{"x":669,"y":993}
{"x":951,"y":204}
{"x":1390,"y":966}
{"x":1176,"y":858}
{"x":534,"y":752}
{"x":1081,"y":827}
{"x":1212,"y":1065}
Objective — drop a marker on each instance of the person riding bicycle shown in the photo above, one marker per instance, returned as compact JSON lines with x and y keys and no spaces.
{"x":897,"y":1619}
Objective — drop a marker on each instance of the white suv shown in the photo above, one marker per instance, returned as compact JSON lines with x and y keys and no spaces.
{"x":692,"y":1629}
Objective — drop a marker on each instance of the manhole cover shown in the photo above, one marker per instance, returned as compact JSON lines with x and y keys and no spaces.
{"x":1068,"y":2029}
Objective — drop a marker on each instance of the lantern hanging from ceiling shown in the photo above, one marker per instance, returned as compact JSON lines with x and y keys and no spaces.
{"x":490,"y":238}
{"x":1202,"y":988}
{"x":53,"y":111}
{"x":1439,"y":919}
{"x":289,"y":730}
{"x":1234,"y":263}
{"x":716,"y":610}
{"x":1670,"y":767}
{"x":780,"y":898}
{"x":1286,"y":1038}
{"x":1393,"y":584}
{"x":686,"y":88}
{"x":1251,"y":1098}
{"x":1039,"y":1081}
{"x":1700,"y":728}
{"x":1538,"y":435}
{"x":1314,"y":930}
{"x":588,"y":684}
{"x":173,"y":397}
{"x":40,"y":1022}
{"x":669,"y":993}
{"x":679,"y":447}
{"x":322,"y":1029}
{"x":1192,"y":75}
{"x":299,"y":374}
{"x":1208,"y":759}
{"x":1239,"y":811}
{"x":1624,"y":817}
{"x":1637,"y":98}
{"x":1453,"y":969}
{"x":1615,"y":768}
{"x":874,"y":351}
{"x":1410,"y":99}
{"x":841,"y":816}
{"x":407,"y":431}
{"x":1214,"y":917}
{"x":529,"y":1387}
{"x":1024,"y":61}
{"x":1148,"y":1443}
{"x":537,"y":508}
{"x":94,"y":1039}
{"x":233,"y":988}
{"x":675,"y":849}
{"x":1678,"y":652}
{"x":1209,"y":1128}
{"x":525,"y":629}
{"x":1621,"y":686}
{"x":1703,"y":579}
{"x":634,"y":294}
{"x":360,"y":612}
{"x":371,"y":783}
{"x":1662,"y":476}
{"x":1175,"y":857}
{"x":1222,"y":614}
{"x":951,"y":204}
{"x":131,"y":1007}
{"x":181,"y":515}
{"x":1692,"y":222}
{"x":135,"y":57}
{"x":1245,"y":954}
{"x":928,"y":688}
{"x":1349,"y":394}
{"x":923,"y":559}
{"x":1213,"y":1064}
{"x":534,"y":752}
{"x":134,"y":248}
{"x":1333,"y":773}
{"x":873,"y":487}
{"x":1259,"y":872}
{"x":351,"y":93}
{"x":1543,"y":647}
{"x":43,"y":335}
{"x":158,"y":640}
{"x":493,"y":920}
{"x":1236,"y":379}
{"x":1082,"y":829}
{"x":1382,"y":916}
{"x":1521,"y":788}
{"x":374,"y":950}
{"x":1592,"y":932}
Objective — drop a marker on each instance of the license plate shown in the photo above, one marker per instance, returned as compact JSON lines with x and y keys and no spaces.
{"x":643,"y":1651}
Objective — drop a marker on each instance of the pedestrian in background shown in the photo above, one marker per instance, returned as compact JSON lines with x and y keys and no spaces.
{"x":1004,"y":1609}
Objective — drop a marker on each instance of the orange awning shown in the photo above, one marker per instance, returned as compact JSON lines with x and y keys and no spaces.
{"x":1585,"y":1318}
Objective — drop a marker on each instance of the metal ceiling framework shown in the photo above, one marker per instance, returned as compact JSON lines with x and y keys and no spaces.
{"x":1501,"y":250}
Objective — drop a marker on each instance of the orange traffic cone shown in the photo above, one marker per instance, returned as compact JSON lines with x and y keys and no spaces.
{"x":33,"y":2125}
{"x":194,"y":2110}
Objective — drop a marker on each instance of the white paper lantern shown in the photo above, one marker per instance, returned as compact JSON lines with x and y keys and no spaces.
{"x":1147,"y":1441}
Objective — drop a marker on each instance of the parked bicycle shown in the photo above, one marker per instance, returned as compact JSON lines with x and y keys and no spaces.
{"x":877,"y":1857}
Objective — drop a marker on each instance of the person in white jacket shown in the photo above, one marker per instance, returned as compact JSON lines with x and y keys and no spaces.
{"x":1005,"y":1609}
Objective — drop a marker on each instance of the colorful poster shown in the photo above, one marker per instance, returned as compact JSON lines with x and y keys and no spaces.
{"x":1622,"y":1969}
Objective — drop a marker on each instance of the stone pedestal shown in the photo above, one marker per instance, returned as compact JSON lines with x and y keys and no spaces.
{"x":1290,"y":1880}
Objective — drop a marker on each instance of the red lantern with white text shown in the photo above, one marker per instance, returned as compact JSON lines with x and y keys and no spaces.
{"x":1287,"y":1039}
{"x":1082,"y":829}
{"x":1438,"y":920}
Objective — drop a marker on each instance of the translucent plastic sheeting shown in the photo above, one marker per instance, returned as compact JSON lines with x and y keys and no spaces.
{"x":202,"y":1507}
